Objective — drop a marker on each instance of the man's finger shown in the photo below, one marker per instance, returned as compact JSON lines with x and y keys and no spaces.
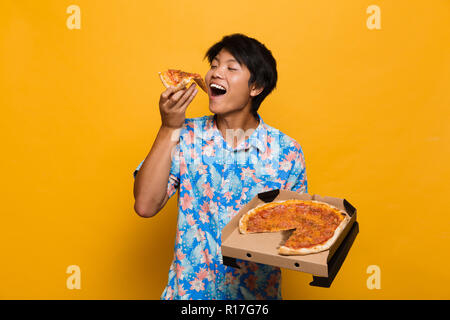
{"x":187,"y":94}
{"x":175,"y":97}
{"x":166,"y":94}
{"x":188,"y":100}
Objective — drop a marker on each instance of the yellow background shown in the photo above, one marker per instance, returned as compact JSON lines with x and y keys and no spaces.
{"x":79,"y":111}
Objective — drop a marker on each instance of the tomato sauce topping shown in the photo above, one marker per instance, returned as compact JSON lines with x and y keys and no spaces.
{"x":313,"y":223}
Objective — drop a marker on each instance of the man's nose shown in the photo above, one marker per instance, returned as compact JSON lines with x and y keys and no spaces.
{"x":217,"y":73}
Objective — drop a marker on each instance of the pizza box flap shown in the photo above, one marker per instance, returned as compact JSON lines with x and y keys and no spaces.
{"x":263,"y":247}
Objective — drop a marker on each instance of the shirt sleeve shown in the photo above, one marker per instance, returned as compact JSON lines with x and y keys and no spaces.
{"x":174,"y":175}
{"x":297,"y":178}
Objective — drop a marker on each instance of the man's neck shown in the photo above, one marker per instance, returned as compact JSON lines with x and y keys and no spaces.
{"x":234,"y":123}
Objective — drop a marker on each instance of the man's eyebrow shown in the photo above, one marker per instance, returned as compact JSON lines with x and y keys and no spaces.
{"x":229,"y":60}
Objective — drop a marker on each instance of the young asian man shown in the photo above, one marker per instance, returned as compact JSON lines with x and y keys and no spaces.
{"x":218,"y":163}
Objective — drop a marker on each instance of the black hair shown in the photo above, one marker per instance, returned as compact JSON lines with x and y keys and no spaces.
{"x":256,"y":57}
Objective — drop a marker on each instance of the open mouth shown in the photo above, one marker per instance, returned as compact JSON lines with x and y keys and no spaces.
{"x":217,"y":90}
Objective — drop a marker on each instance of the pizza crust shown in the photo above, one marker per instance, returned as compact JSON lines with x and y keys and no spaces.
{"x":201,"y":83}
{"x":283,"y":250}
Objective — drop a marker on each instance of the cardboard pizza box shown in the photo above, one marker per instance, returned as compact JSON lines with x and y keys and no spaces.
{"x":263,"y":247}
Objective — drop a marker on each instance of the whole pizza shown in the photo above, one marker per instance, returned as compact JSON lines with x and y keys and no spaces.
{"x":316,"y":224}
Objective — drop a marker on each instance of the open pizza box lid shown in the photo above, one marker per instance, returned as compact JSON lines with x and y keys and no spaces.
{"x":263,"y":247}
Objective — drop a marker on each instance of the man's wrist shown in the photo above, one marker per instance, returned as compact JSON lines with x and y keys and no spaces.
{"x":172,"y":132}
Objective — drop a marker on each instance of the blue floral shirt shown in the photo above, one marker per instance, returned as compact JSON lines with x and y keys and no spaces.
{"x":214,"y":181}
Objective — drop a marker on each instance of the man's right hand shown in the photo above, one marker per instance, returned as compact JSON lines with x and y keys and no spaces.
{"x":172,"y":105}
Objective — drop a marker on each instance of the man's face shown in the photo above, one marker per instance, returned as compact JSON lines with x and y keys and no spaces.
{"x":228,"y":74}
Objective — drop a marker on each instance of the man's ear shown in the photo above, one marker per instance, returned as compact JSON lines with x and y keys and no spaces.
{"x":254,"y":90}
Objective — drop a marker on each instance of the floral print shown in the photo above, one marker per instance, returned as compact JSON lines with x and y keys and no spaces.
{"x":214,"y":181}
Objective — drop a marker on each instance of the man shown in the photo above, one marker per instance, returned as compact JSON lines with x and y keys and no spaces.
{"x":218,"y":163}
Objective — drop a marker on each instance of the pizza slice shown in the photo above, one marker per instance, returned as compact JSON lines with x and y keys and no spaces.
{"x":180,"y":79}
{"x":316,"y":224}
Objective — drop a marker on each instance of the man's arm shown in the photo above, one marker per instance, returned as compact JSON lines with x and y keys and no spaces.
{"x":150,"y":185}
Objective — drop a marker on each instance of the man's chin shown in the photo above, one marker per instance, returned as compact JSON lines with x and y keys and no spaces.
{"x":215,"y":109}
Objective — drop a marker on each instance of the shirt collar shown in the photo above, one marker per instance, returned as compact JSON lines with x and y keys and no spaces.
{"x":257,"y":139}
